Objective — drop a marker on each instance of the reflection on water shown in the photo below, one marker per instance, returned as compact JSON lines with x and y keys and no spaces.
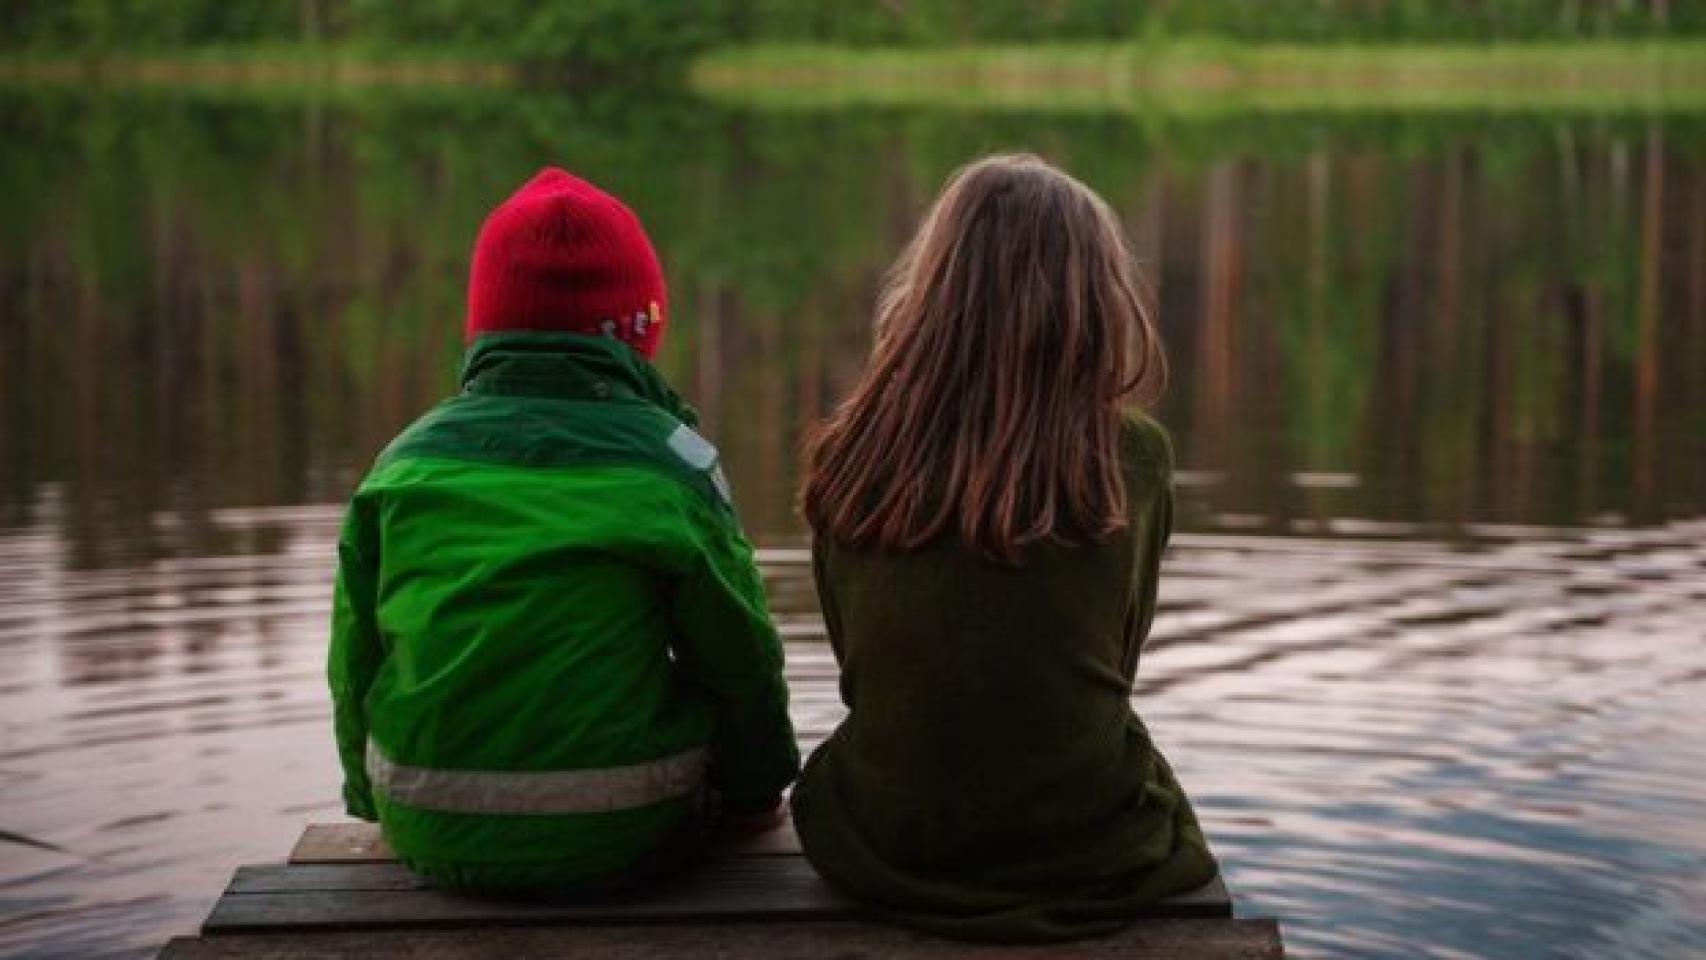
{"x":1432,"y":320}
{"x":1429,"y":655}
{"x":1490,"y":750}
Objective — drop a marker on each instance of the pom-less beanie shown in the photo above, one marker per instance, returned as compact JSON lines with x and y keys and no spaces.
{"x":561,"y":254}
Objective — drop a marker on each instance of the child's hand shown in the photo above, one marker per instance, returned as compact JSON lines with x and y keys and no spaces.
{"x":747,"y":824}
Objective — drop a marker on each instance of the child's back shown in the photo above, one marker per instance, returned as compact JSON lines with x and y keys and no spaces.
{"x":991,"y":779}
{"x":551,"y":652}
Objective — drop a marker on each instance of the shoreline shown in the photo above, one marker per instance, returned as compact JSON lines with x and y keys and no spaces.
{"x":1173,"y":76}
{"x":1205,"y":74}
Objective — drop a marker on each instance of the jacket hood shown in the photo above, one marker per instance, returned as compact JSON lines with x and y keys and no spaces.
{"x":567,"y":366}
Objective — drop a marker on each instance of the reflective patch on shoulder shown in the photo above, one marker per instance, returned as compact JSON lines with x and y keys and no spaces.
{"x":698,"y":453}
{"x":720,"y":480}
{"x":692,"y":448}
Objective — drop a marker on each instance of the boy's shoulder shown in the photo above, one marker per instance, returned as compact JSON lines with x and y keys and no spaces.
{"x":529,"y":432}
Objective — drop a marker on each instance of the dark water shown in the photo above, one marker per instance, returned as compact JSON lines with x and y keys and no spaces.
{"x":1430,"y":655}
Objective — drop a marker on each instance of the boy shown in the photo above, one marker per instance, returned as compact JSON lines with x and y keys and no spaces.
{"x":551,"y":661}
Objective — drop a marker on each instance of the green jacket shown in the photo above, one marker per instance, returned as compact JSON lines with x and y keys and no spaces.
{"x":991,"y":780}
{"x":548,"y":631}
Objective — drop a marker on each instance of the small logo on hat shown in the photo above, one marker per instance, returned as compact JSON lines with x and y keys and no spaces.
{"x":631,"y":328}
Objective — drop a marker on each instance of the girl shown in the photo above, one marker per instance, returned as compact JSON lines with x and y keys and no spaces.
{"x":988,"y":527}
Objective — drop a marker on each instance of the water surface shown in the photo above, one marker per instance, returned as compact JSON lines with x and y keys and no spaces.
{"x":1429,"y":657}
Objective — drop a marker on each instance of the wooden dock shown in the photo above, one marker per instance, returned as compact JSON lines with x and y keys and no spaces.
{"x":342,"y":894}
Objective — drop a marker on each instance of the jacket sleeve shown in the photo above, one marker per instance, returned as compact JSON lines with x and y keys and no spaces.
{"x":355,"y":655}
{"x":726,"y":644}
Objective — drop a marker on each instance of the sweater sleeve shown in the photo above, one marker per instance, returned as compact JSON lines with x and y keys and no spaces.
{"x":1148,"y":456}
{"x":831,"y":613}
{"x":726,"y":644}
{"x":355,"y":655}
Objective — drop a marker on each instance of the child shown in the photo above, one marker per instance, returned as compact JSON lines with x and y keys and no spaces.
{"x":551,"y":656}
{"x":988,"y":534}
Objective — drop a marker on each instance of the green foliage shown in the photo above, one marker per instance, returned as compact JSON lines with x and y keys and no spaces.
{"x":977,"y":21}
{"x":613,"y":34}
{"x":641,"y":35}
{"x":98,"y":25}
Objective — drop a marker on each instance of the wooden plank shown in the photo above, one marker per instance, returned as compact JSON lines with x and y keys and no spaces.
{"x":780,"y":842}
{"x":1209,"y":900}
{"x":379,"y":877}
{"x":370,"y":896}
{"x":325,"y":878}
{"x":381,"y":895}
{"x":341,"y":843}
{"x":1148,"y":940}
{"x":362,"y":843}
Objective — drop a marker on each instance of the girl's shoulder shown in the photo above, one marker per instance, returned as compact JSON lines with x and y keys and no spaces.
{"x":1145,"y":448}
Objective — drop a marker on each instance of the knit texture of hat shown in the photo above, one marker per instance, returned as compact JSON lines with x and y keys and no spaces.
{"x":561,"y":254}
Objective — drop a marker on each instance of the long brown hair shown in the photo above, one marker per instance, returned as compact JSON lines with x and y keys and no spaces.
{"x":1009,"y":334}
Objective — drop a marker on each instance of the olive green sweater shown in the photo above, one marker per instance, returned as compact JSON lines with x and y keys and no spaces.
{"x":991,"y":780}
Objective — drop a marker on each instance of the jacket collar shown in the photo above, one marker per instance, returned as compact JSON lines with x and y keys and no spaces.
{"x":566,"y":366}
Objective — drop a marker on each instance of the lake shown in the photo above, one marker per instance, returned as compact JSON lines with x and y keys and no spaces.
{"x":1429,"y":657}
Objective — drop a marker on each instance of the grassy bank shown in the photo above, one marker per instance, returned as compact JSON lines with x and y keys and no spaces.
{"x":264,"y":66}
{"x":1660,"y":75}
{"x":1174,"y":76}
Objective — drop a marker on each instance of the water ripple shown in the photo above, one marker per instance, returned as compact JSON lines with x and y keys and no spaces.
{"x":1489,"y":750}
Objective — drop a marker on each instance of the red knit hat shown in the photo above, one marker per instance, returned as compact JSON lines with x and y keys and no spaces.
{"x":561,"y":254}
